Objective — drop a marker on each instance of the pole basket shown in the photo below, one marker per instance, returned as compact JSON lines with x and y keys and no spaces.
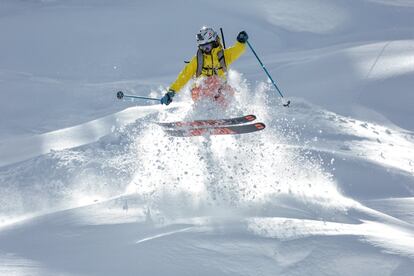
{"x":120,"y":95}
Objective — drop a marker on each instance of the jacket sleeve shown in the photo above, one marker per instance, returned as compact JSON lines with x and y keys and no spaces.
{"x":234,"y":52}
{"x":185,"y":75}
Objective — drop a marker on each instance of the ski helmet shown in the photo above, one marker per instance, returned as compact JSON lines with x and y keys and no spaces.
{"x":206,"y":35}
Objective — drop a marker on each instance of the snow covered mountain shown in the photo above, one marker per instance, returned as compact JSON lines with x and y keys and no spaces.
{"x":90,"y":186}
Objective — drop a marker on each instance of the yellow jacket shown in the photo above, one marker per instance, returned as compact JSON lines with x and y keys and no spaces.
{"x":211,"y":63}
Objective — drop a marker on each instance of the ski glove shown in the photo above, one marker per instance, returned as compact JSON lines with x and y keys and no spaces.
{"x":168,"y":97}
{"x":242,"y":37}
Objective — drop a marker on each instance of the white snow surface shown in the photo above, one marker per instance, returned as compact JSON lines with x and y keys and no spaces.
{"x":89,"y":185}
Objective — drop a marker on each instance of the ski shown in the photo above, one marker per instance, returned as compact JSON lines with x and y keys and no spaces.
{"x":215,"y":130}
{"x":212,"y":122}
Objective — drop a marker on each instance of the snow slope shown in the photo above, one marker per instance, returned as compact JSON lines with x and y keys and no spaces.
{"x":90,"y":186}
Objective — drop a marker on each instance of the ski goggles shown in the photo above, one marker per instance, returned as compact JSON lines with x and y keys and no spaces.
{"x":206,"y":47}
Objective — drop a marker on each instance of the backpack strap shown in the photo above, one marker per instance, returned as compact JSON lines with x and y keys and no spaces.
{"x":200,"y":63}
{"x":222,"y":60}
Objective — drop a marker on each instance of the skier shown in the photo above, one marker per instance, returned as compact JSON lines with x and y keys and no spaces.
{"x":209,"y":67}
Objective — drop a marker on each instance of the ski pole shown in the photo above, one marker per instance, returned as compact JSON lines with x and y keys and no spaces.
{"x":120,"y":95}
{"x":267,"y":73}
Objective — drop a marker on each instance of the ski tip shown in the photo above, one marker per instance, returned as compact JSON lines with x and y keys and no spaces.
{"x":120,"y":95}
{"x":250,"y":117}
{"x":260,"y":126}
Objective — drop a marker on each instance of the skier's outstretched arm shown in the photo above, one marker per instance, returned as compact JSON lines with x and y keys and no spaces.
{"x":234,"y":52}
{"x":185,"y":75}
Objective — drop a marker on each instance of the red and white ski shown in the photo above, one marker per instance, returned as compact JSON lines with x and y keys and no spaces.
{"x":215,"y":130}
{"x":212,"y":122}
